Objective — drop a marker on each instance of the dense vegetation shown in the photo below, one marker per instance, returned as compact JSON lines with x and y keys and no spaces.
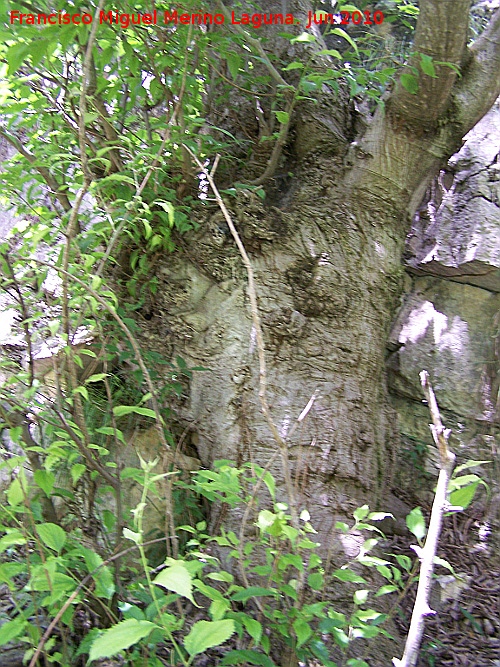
{"x":117,"y":133}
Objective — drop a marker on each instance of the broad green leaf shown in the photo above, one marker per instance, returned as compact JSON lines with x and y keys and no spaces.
{"x":409,"y":83}
{"x":361,"y":596}
{"x":253,"y":627}
{"x":11,"y":630}
{"x":206,"y":634}
{"x":45,"y":480}
{"x":383,"y":590}
{"x":361,"y":513}
{"x":77,"y":471}
{"x":15,"y":493}
{"x":416,"y":523}
{"x":120,"y":637}
{"x":463,"y":480}
{"x":103,"y":578}
{"x":467,"y":465}
{"x":404,"y":562}
{"x":253,"y":591}
{"x":221,"y":576}
{"x":348,"y":38}
{"x":234,"y":62}
{"x":109,"y":430}
{"x":12,"y":538}
{"x":122,"y":410}
{"x":16,"y":55}
{"x":330,"y":52}
{"x":97,"y":377}
{"x":303,"y":37}
{"x":282,"y":116}
{"x":427,"y":65}
{"x":348,"y":575}
{"x":130,"y":535}
{"x":302,"y":630}
{"x":315,"y":581}
{"x":218,"y":609}
{"x":52,"y":535}
{"x":177,"y":578}
{"x":464,"y":496}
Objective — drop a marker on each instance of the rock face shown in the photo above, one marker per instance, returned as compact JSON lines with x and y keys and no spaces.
{"x":449,"y":323}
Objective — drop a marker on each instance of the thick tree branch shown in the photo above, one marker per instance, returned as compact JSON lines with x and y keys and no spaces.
{"x":476,"y":92}
{"x":441,"y":34}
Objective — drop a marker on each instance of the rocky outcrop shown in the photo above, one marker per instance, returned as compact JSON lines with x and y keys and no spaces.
{"x":449,"y":322}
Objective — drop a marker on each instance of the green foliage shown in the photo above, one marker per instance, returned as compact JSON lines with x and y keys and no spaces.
{"x":101,"y":185}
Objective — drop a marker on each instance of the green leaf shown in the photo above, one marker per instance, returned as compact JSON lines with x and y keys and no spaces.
{"x":330,"y":52}
{"x":467,"y":465}
{"x":416,"y":523}
{"x":77,"y":471}
{"x":206,"y":634}
{"x":103,"y":578}
{"x":83,"y":391}
{"x":221,"y":576}
{"x":13,"y":538}
{"x":16,"y":55}
{"x":294,"y":65}
{"x":130,"y":535}
{"x":122,"y":410}
{"x":52,"y":536}
{"x":15,"y":493}
{"x":361,"y":513}
{"x":234,"y":62}
{"x":253,"y":591}
{"x":115,"y":432}
{"x":409,"y":83}
{"x":120,"y":637}
{"x":45,"y":480}
{"x":177,"y":578}
{"x":348,"y":575}
{"x":315,"y":581}
{"x":348,"y":38}
{"x":303,"y":37}
{"x":383,"y":590}
{"x":463,"y":497}
{"x":97,"y":377}
{"x":303,"y":631}
{"x":282,"y":116}
{"x":463,"y":480}
{"x":218,"y":609}
{"x":404,"y":562}
{"x":361,"y":596}
{"x":427,"y":65}
{"x":11,"y":630}
{"x":253,"y":627}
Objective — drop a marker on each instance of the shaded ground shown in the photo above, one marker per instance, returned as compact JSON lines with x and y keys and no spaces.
{"x":466,"y":630}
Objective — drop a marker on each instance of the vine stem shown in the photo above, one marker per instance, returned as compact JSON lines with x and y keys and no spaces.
{"x":254,"y":309}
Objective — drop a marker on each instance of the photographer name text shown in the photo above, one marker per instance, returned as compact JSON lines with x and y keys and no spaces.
{"x":197,"y":18}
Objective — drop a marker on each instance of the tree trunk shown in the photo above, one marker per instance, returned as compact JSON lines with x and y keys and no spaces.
{"x":326,"y":248}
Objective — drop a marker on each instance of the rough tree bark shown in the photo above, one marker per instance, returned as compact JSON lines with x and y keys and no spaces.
{"x":326,"y":248}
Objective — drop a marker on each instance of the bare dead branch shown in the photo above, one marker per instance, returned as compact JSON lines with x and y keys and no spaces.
{"x":426,"y":555}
